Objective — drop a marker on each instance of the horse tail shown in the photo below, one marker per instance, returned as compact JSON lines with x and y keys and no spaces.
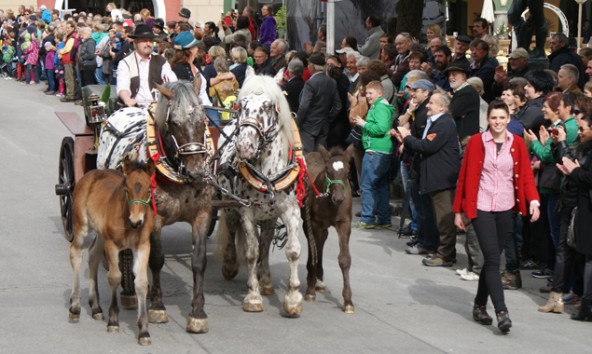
{"x":312,"y":242}
{"x":225,"y":237}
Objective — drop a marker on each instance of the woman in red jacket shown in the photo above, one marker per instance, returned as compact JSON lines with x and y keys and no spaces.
{"x":495,"y":180}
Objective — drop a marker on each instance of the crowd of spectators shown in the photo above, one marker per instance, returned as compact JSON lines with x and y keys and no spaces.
{"x":406,"y":106}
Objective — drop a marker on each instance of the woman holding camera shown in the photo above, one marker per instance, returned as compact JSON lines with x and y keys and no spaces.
{"x":579,"y":172}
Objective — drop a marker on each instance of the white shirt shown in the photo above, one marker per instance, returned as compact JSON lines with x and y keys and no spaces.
{"x":429,"y":123}
{"x":144,"y":97}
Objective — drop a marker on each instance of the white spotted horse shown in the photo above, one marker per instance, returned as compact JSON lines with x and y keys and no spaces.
{"x":328,"y":203}
{"x":259,"y":167}
{"x":176,"y":137}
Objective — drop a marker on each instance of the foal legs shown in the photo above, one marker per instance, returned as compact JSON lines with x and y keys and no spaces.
{"x":114,"y":278}
{"x":80,"y":232}
{"x":95,"y":254}
{"x":344,"y":259}
{"x":141,"y":285}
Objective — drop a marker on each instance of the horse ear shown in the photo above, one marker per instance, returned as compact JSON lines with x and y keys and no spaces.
{"x":166,"y":92}
{"x":349,"y":152}
{"x":127,"y":165}
{"x":150,"y":167}
{"x":324,"y":153}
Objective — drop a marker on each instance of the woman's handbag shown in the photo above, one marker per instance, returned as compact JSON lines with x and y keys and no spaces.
{"x":571,"y":231}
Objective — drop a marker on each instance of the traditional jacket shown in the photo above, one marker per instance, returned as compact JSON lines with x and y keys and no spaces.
{"x":467,"y":187}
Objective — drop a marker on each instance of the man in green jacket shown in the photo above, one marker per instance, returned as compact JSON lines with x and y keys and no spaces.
{"x":377,"y":159}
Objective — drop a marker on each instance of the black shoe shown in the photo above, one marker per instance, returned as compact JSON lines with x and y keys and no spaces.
{"x":504,"y":323}
{"x":412,"y":241}
{"x":480,"y":315}
{"x":545,"y":273}
{"x":585,"y":313}
{"x":406,"y":231}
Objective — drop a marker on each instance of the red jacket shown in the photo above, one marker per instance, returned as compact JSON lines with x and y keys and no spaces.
{"x":467,"y":187}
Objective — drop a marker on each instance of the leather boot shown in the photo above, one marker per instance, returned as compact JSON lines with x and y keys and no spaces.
{"x":585,"y":313}
{"x":504,"y":323}
{"x":511,"y":279}
{"x":554,"y":303}
{"x":480,"y":315}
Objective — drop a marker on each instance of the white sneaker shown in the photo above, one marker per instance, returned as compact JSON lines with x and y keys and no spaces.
{"x":470,"y":276}
{"x":461,"y":272}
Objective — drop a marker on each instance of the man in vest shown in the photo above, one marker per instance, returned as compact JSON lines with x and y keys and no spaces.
{"x":139,"y":72}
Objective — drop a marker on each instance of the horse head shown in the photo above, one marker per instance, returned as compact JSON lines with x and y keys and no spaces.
{"x":337,"y":172}
{"x":257,"y":124}
{"x":181,"y":121}
{"x":138,"y":189}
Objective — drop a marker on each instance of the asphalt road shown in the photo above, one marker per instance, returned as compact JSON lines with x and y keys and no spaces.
{"x":401,"y":306}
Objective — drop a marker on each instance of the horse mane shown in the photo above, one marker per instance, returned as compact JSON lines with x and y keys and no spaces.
{"x":183,"y":102}
{"x":269,"y":87}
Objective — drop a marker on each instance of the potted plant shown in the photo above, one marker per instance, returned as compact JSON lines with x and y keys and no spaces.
{"x":280,"y":20}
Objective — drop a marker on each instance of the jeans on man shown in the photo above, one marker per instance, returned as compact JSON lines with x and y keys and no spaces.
{"x":100,"y":76}
{"x":375,"y":190}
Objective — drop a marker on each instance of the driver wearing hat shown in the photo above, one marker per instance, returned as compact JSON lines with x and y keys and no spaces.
{"x":139,"y":72}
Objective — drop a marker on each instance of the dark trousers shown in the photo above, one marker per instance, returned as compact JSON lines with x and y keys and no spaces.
{"x":88,"y":77}
{"x":565,"y":256}
{"x":427,"y":231}
{"x":442,"y":201}
{"x":49,"y":74}
{"x":492,"y":229}
{"x":311,"y":142}
{"x":513,"y":244}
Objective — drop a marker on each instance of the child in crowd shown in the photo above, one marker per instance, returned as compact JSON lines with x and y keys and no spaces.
{"x":20,"y":69}
{"x":224,"y":91}
{"x":32,"y":53}
{"x":58,"y":66}
{"x":49,"y":67}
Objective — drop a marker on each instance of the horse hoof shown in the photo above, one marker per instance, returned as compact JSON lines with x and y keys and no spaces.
{"x":197,"y":325}
{"x":112,"y":329}
{"x":349,"y":309}
{"x":293,"y":311}
{"x":144,"y":341}
{"x":247,"y":307}
{"x":320,"y":288}
{"x":129,"y":302}
{"x":98,"y":316}
{"x":266,"y":290}
{"x":310,"y":297}
{"x":158,"y":316}
{"x":73,"y":317}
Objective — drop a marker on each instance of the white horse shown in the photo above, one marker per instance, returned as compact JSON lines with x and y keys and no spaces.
{"x":254,"y":168}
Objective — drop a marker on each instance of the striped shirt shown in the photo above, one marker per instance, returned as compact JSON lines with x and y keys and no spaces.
{"x":496,"y":186}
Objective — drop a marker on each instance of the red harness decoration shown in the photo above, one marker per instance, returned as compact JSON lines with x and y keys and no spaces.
{"x":300,"y":188}
{"x":154,"y":158}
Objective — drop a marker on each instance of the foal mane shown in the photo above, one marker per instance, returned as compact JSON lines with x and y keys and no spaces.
{"x":270,"y":88}
{"x":183,"y":102}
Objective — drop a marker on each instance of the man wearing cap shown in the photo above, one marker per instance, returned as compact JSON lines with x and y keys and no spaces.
{"x":415,"y":119}
{"x":464,"y":105}
{"x":438,"y":172}
{"x":461,"y":45}
{"x":518,"y":67}
{"x":138,"y":73}
{"x":319,"y":105}
{"x":184,"y":15}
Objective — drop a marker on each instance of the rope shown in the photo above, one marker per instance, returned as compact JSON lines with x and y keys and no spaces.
{"x":300,"y":188}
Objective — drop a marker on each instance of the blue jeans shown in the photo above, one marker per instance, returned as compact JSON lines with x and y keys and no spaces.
{"x":50,"y":80}
{"x":405,"y":181}
{"x":374,"y":186}
{"x":99,"y":76}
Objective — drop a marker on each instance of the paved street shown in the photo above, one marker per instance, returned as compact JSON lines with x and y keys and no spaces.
{"x":401,"y":306}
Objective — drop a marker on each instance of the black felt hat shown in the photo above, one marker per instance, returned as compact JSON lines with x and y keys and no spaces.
{"x":142,"y":31}
{"x":185,"y":13}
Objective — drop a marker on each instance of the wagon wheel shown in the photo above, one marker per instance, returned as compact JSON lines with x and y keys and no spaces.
{"x":65,"y":186}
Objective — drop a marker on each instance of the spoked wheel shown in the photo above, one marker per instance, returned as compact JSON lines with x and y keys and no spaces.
{"x":65,"y":186}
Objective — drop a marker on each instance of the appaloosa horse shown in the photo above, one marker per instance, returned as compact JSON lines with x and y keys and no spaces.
{"x":117,"y":207}
{"x":258,"y":168}
{"x":328,"y":203}
{"x":178,"y":142}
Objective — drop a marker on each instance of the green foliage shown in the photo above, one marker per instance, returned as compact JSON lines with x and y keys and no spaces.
{"x":280,"y":18}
